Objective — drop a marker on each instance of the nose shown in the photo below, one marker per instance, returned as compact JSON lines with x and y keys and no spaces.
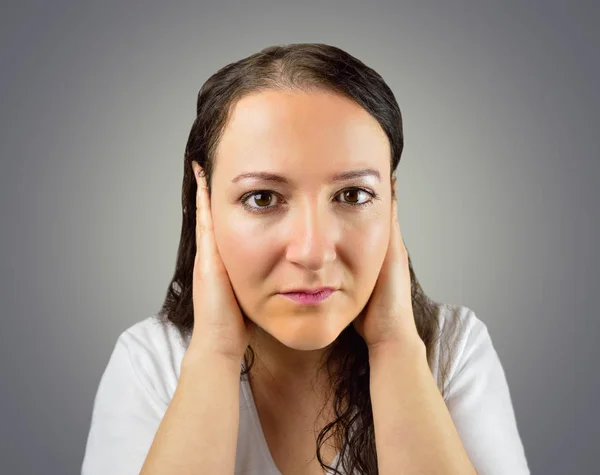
{"x":311,"y":241}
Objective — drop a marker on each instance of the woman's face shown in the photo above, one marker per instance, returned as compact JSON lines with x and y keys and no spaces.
{"x":308,"y":231}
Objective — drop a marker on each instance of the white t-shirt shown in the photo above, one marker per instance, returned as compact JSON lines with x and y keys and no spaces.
{"x":143,"y":370}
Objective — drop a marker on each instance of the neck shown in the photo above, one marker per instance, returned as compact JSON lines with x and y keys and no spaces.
{"x":291,"y":372}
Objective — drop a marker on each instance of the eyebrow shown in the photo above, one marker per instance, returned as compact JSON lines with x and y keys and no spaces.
{"x":347,"y":175}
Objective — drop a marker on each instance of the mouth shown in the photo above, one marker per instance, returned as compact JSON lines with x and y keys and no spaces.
{"x":308,"y":298}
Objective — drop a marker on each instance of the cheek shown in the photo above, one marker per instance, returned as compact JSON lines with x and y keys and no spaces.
{"x":367,"y":253}
{"x":243,"y":252}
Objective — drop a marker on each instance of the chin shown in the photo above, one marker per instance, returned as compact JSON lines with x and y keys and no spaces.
{"x":300,"y":333}
{"x":306,"y":344}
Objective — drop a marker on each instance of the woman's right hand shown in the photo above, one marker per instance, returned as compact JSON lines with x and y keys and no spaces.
{"x":219,"y":326}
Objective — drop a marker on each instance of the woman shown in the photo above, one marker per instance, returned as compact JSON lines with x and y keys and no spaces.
{"x":289,"y":187}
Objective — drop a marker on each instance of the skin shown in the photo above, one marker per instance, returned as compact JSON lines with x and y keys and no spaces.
{"x":306,"y":233}
{"x":309,"y":236}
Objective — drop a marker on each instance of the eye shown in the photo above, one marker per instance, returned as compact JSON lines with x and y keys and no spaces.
{"x":263,"y":199}
{"x":351,"y":192}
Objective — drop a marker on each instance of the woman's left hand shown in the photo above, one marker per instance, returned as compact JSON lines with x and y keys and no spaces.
{"x":388,"y":318}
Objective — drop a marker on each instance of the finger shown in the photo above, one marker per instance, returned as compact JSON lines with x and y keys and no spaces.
{"x":395,"y":223}
{"x":206,"y":248}
{"x":393,"y":239}
{"x":396,"y":232}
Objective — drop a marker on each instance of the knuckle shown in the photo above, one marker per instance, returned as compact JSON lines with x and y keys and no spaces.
{"x":204,"y":228}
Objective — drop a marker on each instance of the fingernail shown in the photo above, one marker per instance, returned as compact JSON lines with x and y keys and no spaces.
{"x":198,"y":172}
{"x":202,"y":179}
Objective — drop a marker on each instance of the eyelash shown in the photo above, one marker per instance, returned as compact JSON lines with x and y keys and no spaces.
{"x":266,"y":209}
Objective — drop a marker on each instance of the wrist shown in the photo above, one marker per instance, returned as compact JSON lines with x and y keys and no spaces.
{"x":410,"y":350}
{"x":195,"y":357}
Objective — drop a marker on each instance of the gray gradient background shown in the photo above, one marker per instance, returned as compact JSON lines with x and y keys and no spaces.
{"x":497,"y":184}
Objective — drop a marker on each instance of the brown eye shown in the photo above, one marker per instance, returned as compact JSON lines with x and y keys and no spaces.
{"x":350,"y":195}
{"x":262,"y":199}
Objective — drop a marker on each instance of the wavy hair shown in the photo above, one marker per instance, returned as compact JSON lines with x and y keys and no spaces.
{"x":302,"y":67}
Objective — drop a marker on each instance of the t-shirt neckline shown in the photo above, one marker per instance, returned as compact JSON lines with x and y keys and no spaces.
{"x":262,"y":440}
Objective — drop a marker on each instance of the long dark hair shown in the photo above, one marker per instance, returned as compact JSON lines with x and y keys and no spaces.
{"x":304,"y":67}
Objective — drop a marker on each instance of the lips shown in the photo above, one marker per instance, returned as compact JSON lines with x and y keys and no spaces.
{"x":309,"y":291}
{"x":309,"y":298}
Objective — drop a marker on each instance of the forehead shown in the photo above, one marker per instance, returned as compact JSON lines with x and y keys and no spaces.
{"x":279,"y":128}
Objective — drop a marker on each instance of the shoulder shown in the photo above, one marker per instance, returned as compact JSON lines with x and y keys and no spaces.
{"x":457,"y":323}
{"x":155,"y":349}
{"x":460,"y":331}
{"x":477,"y":394}
{"x":134,"y":392}
{"x":154,"y":334}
